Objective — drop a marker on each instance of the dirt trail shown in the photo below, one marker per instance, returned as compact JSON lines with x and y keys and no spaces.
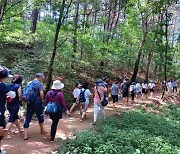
{"x":40,"y":144}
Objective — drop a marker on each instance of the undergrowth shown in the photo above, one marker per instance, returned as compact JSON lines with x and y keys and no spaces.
{"x":134,"y":132}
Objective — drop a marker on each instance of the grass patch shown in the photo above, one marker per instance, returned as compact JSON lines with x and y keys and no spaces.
{"x":134,"y":132}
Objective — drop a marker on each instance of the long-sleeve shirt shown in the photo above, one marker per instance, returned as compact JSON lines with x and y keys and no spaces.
{"x":59,"y":98}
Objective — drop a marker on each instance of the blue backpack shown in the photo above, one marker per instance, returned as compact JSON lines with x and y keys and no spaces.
{"x":82,"y":98}
{"x":53,"y":107}
{"x":29,"y":93}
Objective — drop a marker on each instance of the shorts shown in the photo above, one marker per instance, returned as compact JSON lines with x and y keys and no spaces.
{"x":85,"y":107}
{"x":125,"y":94}
{"x":115,"y":98}
{"x":74,"y":100}
{"x":2,"y":121}
{"x":144,"y":91}
{"x":151,"y":90}
{"x":13,"y":114}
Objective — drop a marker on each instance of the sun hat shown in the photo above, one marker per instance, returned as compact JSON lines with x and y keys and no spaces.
{"x":57,"y":85}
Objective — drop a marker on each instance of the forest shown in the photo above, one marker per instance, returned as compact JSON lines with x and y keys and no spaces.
{"x":83,"y":40}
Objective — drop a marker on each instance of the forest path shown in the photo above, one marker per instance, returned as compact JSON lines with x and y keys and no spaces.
{"x":40,"y":144}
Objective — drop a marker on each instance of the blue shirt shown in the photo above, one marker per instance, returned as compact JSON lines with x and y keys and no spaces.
{"x":115,"y":89}
{"x":38,"y":87}
{"x":3,"y":91}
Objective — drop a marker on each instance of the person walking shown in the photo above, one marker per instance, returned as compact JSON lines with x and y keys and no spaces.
{"x":164,"y":89}
{"x":56,"y":95}
{"x":133,"y":91}
{"x":34,"y":96}
{"x":84,"y":99}
{"x":13,"y":105}
{"x":100,"y":91}
{"x":125,"y":91}
{"x":169,"y":86}
{"x":174,"y":84}
{"x":115,"y":92}
{"x":151,"y":87}
{"x":76,"y":93}
{"x":4,"y":93}
{"x":144,"y":89}
{"x":138,"y":90}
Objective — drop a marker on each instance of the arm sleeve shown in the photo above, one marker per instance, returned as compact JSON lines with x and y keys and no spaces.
{"x":41,"y":87}
{"x":63,"y":102}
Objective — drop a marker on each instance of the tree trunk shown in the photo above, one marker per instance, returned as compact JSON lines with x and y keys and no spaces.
{"x":35,"y":14}
{"x":59,"y":25}
{"x":166,"y":50}
{"x":148,"y":64}
{"x":3,"y":5}
{"x":143,"y":39}
{"x":76,"y":26}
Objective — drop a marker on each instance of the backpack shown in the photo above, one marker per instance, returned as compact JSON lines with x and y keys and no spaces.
{"x":132,"y":89}
{"x":82,"y":98}
{"x":53,"y":107}
{"x":124,"y":87}
{"x":29,"y":93}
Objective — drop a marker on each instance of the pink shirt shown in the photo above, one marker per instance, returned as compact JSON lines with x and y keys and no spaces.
{"x":101,"y":91}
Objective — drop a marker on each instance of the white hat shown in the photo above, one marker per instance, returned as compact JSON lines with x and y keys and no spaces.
{"x":57,"y":85}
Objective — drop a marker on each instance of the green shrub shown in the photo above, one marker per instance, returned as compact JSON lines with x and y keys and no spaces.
{"x":134,"y":132}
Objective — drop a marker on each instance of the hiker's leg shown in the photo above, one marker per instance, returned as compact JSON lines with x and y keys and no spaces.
{"x":13,"y":118}
{"x":55,"y":121}
{"x":18,"y":125}
{"x":85,"y":108}
{"x":96,"y":108}
{"x":29,"y":114}
{"x":127,"y":100}
{"x":102,"y":111}
{"x":113,"y":98}
{"x":73,"y":106}
{"x":80,"y":108}
{"x":40,"y":116}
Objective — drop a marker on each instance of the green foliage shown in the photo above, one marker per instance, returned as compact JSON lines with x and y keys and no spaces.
{"x":134,"y":132}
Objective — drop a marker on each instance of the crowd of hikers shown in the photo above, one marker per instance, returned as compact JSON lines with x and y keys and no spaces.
{"x":12,"y":97}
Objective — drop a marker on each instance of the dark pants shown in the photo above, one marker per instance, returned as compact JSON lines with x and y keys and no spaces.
{"x":31,"y":109}
{"x":132,"y":96}
{"x":174,"y":89}
{"x":55,"y":120}
{"x":13,"y":114}
{"x":2,"y":124}
{"x":115,"y":98}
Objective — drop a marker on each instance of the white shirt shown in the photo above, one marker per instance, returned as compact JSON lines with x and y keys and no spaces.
{"x":76,"y":92}
{"x":87,"y":94}
{"x":144,"y":85}
{"x":169,"y":84}
{"x":151,"y":85}
{"x":138,"y":87}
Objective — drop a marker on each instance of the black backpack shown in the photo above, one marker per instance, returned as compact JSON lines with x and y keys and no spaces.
{"x":82,"y":98}
{"x":125,"y":87}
